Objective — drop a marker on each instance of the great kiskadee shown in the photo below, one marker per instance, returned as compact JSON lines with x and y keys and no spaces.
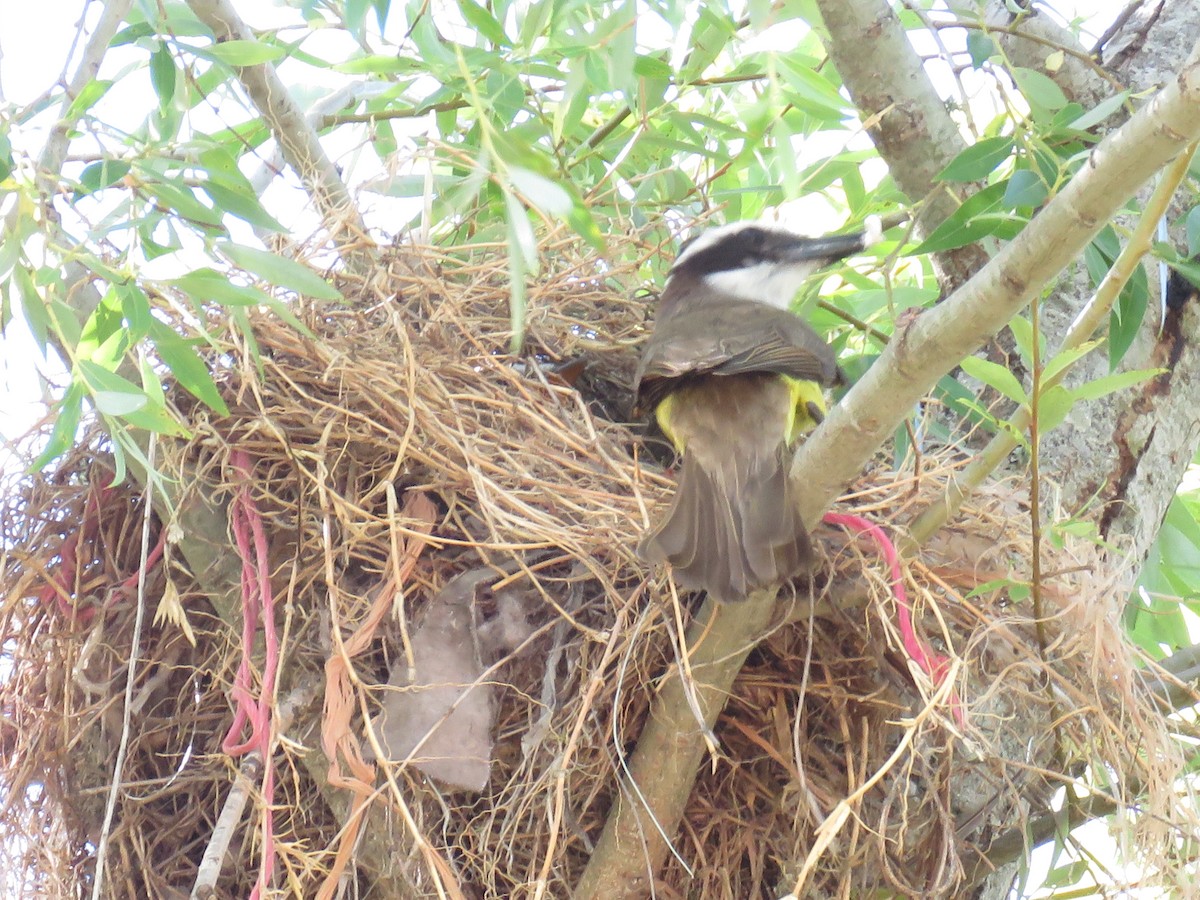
{"x":734,"y":378}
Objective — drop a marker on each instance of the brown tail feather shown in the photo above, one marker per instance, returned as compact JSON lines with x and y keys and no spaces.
{"x":732,"y":530}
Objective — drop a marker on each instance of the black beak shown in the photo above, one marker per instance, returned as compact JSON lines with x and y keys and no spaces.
{"x":833,"y":247}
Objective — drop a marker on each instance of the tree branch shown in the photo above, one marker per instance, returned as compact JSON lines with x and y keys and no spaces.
{"x":1173,"y":694}
{"x":938,"y":338}
{"x":915,"y":133}
{"x":663,"y":767}
{"x":297,"y":139}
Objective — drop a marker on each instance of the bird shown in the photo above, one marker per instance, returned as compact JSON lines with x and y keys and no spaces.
{"x":734,"y":378}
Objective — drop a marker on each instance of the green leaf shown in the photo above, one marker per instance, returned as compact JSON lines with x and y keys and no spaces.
{"x":112,"y":394}
{"x":546,"y":195}
{"x":1022,"y":332}
{"x":1025,"y":188}
{"x":1116,"y":381}
{"x":1128,"y":313}
{"x":210,"y":286}
{"x":243,"y":206}
{"x":381,"y":12}
{"x":88,"y":97}
{"x":6,"y":160}
{"x":980,"y":47}
{"x":135,"y":307}
{"x":1038,"y":89}
{"x":483,"y":22}
{"x":534,"y":24}
{"x":105,"y":323}
{"x":162,"y":74}
{"x":157,"y":419}
{"x":520,"y":233}
{"x":810,"y":91}
{"x":355,"y":15}
{"x":979,"y":160}
{"x":585,"y":225}
{"x":1071,"y":873}
{"x":432,"y":47}
{"x":66,"y":424}
{"x":150,"y":383}
{"x":963,"y":226}
{"x":710,"y":35}
{"x":242,"y":53}
{"x":1067,"y":358}
{"x":187,"y":366}
{"x":99,"y":175}
{"x":280,"y":271}
{"x":1053,"y":406}
{"x":182,"y":201}
{"x":1100,"y":111}
{"x":522,"y":258}
{"x":995,"y":376}
{"x":33,"y":307}
{"x":1193,"y":231}
{"x":652,"y":67}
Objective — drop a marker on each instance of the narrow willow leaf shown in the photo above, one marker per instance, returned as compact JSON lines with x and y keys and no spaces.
{"x":1117,"y":381}
{"x":66,"y":423}
{"x":280,"y":271}
{"x":112,"y":394}
{"x":995,"y":376}
{"x":545,"y":194}
{"x":162,"y":74}
{"x":210,"y":286}
{"x":1067,"y":358}
{"x":1053,"y":407}
{"x":99,"y":175}
{"x":979,"y":160}
{"x":1025,"y":188}
{"x":186,"y":365}
{"x":1039,"y":89}
{"x":1100,"y":111}
{"x":242,"y":53}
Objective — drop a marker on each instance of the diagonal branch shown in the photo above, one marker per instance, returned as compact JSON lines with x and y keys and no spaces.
{"x":663,"y":768}
{"x":297,"y":139}
{"x":913,"y":130}
{"x":937,"y":339}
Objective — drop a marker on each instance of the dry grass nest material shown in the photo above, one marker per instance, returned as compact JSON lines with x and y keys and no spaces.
{"x":412,"y":394}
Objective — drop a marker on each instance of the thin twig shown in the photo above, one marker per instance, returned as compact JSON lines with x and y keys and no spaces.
{"x":135,"y":650}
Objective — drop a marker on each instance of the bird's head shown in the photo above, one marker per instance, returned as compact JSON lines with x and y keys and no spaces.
{"x":761,"y":261}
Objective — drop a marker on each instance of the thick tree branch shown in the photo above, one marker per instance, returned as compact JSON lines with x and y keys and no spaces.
{"x":297,"y":139}
{"x":663,"y":767}
{"x":940,"y":337}
{"x":915,"y":134}
{"x":1093,"y":316}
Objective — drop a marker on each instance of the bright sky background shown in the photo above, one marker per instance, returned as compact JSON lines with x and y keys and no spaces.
{"x":33,"y":46}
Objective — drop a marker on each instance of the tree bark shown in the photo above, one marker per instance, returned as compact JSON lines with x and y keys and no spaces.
{"x":1119,"y":461}
{"x":296,"y":138}
{"x":913,"y":131}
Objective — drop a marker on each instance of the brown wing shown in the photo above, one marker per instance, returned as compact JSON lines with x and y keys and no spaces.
{"x":730,"y":337}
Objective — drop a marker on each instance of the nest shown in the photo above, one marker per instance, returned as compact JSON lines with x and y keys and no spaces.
{"x":528,"y":471}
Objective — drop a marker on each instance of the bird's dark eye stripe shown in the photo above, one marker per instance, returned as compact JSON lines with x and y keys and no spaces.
{"x":735,"y":251}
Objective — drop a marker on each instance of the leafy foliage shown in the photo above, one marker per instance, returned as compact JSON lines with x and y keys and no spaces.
{"x":484,"y":125}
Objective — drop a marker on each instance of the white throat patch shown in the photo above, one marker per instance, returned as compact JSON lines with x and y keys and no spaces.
{"x":774,"y":284}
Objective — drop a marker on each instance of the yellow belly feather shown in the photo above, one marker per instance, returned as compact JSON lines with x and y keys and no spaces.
{"x":799,"y":419}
